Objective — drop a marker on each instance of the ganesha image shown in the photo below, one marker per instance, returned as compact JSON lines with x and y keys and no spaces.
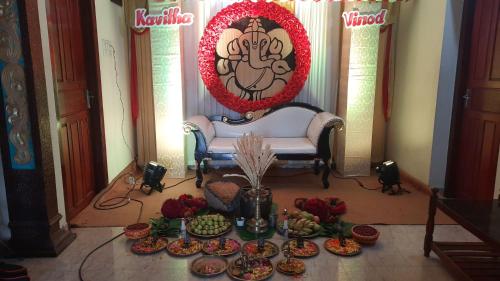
{"x":255,"y":58}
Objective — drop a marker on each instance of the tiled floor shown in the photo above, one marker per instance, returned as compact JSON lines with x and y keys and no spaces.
{"x":397,"y":256}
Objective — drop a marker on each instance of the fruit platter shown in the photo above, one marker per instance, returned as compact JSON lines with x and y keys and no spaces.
{"x":177,"y":248}
{"x":302,"y":224}
{"x":208,"y":266}
{"x":308,"y":250}
{"x":149,"y":245}
{"x":253,"y":269}
{"x":350,"y":247}
{"x":212,"y":247}
{"x":291,"y":267}
{"x":268,"y":251}
{"x":209,"y":226}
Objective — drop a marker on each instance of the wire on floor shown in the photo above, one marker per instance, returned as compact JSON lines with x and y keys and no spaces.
{"x":360,"y":183}
{"x":105,"y":205}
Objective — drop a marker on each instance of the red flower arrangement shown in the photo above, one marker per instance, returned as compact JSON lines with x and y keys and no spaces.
{"x":239,"y":10}
{"x":327,"y":210}
{"x":185,"y":206}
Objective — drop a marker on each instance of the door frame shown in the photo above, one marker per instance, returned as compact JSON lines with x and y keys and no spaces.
{"x":94,"y":83}
{"x":93,"y":74}
{"x":460,"y":88}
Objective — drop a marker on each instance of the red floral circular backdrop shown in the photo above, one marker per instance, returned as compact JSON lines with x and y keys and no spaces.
{"x":254,"y":55}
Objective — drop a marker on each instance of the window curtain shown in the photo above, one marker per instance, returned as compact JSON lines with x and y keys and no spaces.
{"x":141,"y":86}
{"x":320,"y":19}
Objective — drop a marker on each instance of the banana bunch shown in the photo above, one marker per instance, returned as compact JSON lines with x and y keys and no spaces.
{"x":303,"y":223}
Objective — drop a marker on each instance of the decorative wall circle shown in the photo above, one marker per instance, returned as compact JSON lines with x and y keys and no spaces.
{"x":254,"y":55}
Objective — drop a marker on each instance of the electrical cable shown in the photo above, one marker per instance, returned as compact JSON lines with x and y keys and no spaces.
{"x":182,"y":181}
{"x":360,"y":183}
{"x":122,"y":103}
{"x":105,"y":205}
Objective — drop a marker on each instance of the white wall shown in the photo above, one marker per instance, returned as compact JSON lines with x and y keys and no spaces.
{"x":111,"y":29}
{"x":417,"y":72}
{"x":44,"y":33}
{"x":446,"y":91}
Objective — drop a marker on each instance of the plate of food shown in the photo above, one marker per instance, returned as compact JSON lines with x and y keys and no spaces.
{"x":212,"y":247}
{"x":209,"y":226}
{"x":302,"y":224}
{"x":208,"y":266}
{"x":177,"y":248}
{"x":308,"y":250}
{"x":292,"y":267}
{"x":269,"y":250}
{"x":349,"y":248}
{"x":149,"y":245}
{"x":257,"y":269}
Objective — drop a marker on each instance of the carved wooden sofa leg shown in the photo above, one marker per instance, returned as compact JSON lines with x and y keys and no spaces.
{"x":205,"y":166}
{"x":199,"y":174}
{"x":316,"y":166}
{"x":326,"y":174}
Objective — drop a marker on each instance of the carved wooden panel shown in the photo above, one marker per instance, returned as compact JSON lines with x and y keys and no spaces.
{"x":14,"y":89}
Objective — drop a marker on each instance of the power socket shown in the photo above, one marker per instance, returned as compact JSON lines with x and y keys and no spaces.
{"x":131,"y":180}
{"x":107,"y":47}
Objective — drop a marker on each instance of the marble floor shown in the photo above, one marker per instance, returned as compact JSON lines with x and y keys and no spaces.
{"x":397,"y":256}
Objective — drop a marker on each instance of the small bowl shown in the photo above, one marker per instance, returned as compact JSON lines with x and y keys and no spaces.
{"x":137,"y":231}
{"x":365,"y":234}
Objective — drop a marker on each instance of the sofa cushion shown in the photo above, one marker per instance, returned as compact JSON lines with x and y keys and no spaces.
{"x":278,"y":145}
{"x":290,"y":122}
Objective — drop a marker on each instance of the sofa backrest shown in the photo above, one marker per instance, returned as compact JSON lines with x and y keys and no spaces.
{"x":288,"y":122}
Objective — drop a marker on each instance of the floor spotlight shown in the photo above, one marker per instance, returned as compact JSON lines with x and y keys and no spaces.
{"x":153,"y":174}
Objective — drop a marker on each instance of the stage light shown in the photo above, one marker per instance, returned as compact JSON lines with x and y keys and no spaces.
{"x":153,"y":174}
{"x":388,"y":173}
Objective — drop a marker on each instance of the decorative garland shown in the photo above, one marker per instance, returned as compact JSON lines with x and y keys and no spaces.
{"x":232,"y":13}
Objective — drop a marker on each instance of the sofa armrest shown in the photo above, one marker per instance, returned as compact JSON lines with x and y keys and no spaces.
{"x":200,"y":123}
{"x":203,"y":131}
{"x":323,"y":120}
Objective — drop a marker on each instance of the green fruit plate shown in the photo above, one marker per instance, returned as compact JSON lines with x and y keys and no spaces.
{"x":190,"y":230}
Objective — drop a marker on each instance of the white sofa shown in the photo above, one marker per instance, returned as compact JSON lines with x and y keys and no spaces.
{"x":295,"y":131}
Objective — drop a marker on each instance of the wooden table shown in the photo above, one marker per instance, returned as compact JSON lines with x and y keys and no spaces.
{"x":478,"y":261}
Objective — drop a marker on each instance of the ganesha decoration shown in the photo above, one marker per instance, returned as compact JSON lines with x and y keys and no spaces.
{"x":254,"y":55}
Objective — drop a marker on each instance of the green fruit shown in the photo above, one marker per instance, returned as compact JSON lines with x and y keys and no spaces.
{"x":210,"y":232}
{"x":307,"y":230}
{"x":210,"y":222}
{"x":316,"y":227}
{"x":217,"y":231}
{"x":204,"y":232}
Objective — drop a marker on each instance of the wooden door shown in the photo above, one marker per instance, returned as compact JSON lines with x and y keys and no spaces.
{"x":71,"y":85}
{"x":479,"y":122}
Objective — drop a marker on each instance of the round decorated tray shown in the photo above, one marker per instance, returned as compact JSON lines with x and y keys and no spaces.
{"x":149,"y":245}
{"x":309,"y":250}
{"x":293,"y":267}
{"x":351,"y":247}
{"x":176,"y":248}
{"x":270,"y":249}
{"x":259,"y":269}
{"x":209,"y":226}
{"x":211,"y":247}
{"x":208,"y":266}
{"x":137,"y":231}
